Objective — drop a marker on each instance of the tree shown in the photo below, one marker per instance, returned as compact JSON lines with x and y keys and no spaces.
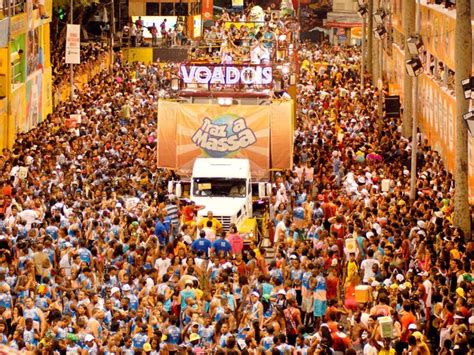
{"x":463,"y":58}
{"x":82,"y":11}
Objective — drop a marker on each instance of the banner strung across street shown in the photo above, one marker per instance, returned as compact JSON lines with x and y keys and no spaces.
{"x":189,"y":131}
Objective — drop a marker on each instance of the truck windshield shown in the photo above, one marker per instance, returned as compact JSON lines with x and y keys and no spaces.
{"x":219,"y":187}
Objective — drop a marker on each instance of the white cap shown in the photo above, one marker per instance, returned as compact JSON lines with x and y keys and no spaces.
{"x":89,"y":337}
{"x":118,"y":205}
{"x":282,"y":292}
{"x":255,"y":293}
{"x":400,"y":277}
{"x":412,"y":326}
{"x":126,"y":287}
{"x":114,"y":289}
{"x":421,"y":224}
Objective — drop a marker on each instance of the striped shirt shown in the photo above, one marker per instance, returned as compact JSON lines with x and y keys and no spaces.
{"x":172,"y":213}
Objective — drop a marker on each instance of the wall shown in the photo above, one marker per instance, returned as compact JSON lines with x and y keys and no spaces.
{"x":436,"y":105}
{"x":26,"y":100}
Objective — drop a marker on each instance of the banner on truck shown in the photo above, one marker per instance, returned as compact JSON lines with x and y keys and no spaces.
{"x":216,"y":131}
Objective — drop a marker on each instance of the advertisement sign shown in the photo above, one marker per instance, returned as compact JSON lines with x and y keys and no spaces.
{"x":197,"y":26}
{"x":227,"y":75}
{"x":207,"y":10}
{"x":73,"y":44}
{"x":216,"y":131}
{"x":18,"y":120}
{"x":34,"y":95}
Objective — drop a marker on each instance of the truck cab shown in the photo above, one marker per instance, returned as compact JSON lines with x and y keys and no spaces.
{"x":224,"y":186}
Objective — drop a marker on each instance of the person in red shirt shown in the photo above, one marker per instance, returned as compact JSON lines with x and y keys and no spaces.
{"x":189,"y":213}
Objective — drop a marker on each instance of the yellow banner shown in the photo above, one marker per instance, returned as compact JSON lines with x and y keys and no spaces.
{"x":18,"y":24}
{"x":143,"y":55}
{"x":227,"y":25}
{"x":47,"y":93}
{"x":4,"y":123}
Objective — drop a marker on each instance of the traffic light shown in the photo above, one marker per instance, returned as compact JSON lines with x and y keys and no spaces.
{"x":62,"y":13}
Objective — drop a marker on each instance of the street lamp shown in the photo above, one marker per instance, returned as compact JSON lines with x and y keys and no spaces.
{"x":414,"y":67}
{"x":469,"y":119}
{"x":175,"y":83}
{"x":414,"y":45}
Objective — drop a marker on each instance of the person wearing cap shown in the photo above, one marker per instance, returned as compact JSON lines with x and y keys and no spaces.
{"x":90,"y":345}
{"x":417,"y":345}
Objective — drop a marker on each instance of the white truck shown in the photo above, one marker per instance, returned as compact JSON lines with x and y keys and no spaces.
{"x":224,"y":187}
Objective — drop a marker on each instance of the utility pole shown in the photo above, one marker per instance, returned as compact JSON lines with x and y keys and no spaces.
{"x":112,"y":36}
{"x":409,"y":9}
{"x":463,"y":59}
{"x":72,"y":65}
{"x":362,"y":60}
{"x":370,"y":37}
{"x":414,"y":128}
{"x":380,"y":71}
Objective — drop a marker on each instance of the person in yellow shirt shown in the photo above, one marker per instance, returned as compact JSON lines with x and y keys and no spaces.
{"x":417,"y":344}
{"x":351,"y":267}
{"x":216,"y":225}
{"x":386,"y":349}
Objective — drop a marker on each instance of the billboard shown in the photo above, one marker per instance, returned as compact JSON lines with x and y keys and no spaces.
{"x":214,"y":131}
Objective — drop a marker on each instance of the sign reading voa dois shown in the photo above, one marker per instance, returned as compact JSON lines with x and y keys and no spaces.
{"x":226,"y":75}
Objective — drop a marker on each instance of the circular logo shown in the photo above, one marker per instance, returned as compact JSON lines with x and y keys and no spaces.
{"x":227,"y":120}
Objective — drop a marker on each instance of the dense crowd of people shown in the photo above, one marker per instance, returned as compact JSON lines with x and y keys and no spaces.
{"x":97,"y":258}
{"x":90,"y":56}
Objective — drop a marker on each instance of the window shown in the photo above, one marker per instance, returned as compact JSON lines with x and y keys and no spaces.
{"x":152,"y":9}
{"x":167,"y":9}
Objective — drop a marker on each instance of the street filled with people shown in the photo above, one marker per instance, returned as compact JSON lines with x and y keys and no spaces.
{"x":96,"y":257}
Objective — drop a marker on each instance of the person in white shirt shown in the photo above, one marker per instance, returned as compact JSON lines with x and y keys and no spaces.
{"x":366,"y":266}
{"x":162,"y":264}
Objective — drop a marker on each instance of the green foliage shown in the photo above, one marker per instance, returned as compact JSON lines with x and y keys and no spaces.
{"x":57,"y":4}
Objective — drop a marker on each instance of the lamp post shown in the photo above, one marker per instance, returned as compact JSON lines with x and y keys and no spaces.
{"x":414,"y":130}
{"x":362,"y":62}
{"x":112,"y":34}
{"x":72,"y":65}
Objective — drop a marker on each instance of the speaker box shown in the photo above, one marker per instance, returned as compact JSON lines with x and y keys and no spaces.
{"x":392,"y":106}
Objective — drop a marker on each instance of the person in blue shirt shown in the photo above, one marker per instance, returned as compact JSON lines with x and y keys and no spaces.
{"x":140,"y":338}
{"x":222,"y":245}
{"x":84,"y":253}
{"x":161,"y":231}
{"x":201,"y":244}
{"x":173,"y":334}
{"x":188,"y":292}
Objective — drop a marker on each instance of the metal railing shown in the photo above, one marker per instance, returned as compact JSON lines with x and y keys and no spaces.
{"x":13,"y":7}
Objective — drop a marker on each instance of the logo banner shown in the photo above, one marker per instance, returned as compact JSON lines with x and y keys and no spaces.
{"x":262,"y":134}
{"x":207,"y":10}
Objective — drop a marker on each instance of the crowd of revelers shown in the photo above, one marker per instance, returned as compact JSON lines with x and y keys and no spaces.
{"x":90,"y":55}
{"x":232,"y":39}
{"x":97,"y":258}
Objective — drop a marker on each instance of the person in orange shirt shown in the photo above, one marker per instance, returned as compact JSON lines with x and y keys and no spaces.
{"x":407,"y":318}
